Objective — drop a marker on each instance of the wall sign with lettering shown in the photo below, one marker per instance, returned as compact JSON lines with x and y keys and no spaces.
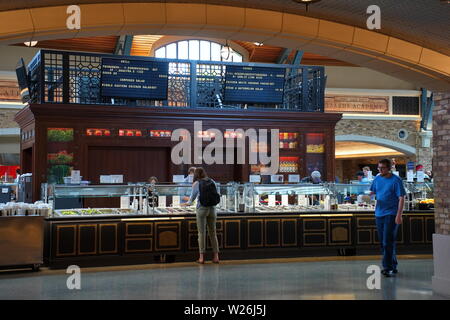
{"x":134,"y":79}
{"x":358,"y":104}
{"x":244,"y":84}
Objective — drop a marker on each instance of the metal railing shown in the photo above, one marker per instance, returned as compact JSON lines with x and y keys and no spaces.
{"x":75,"y":78}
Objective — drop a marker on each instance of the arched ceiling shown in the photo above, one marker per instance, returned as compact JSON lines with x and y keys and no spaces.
{"x":413,"y":43}
{"x":423,"y":22}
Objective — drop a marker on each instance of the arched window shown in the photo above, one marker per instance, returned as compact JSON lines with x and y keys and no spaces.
{"x":197,"y":50}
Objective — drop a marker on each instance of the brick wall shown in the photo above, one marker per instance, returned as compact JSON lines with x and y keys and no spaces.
{"x":7,"y":118}
{"x":387,"y":129}
{"x":441,"y":162}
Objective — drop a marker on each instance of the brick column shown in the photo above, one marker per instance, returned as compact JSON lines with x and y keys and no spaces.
{"x":441,"y":177}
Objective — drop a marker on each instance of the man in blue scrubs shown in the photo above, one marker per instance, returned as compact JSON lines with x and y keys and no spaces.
{"x":390,"y":195}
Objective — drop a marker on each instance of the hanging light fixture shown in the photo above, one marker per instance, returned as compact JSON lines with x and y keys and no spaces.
{"x":225,"y":52}
{"x":30,"y":43}
{"x":306,"y":2}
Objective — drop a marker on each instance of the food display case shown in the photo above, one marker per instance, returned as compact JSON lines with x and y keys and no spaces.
{"x":420,"y":195}
{"x":137,"y":199}
{"x":286,"y":197}
{"x":352,"y":197}
{"x":132,"y":198}
{"x":168,"y":199}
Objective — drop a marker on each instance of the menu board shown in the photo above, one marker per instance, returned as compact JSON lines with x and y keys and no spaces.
{"x":134,"y":79}
{"x":244,"y":84}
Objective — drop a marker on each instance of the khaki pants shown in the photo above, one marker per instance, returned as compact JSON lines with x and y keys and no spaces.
{"x":206,"y":216}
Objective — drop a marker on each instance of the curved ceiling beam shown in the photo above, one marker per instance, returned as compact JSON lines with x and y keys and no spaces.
{"x":401,"y":147}
{"x":395,"y":57}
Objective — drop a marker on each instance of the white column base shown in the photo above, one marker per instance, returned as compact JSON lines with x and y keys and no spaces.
{"x":441,"y":257}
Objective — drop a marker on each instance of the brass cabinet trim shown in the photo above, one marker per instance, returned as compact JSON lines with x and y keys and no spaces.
{"x":324,"y":234}
{"x":190,"y":223}
{"x":115,"y":225}
{"x":364,"y":242}
{"x":239,"y":234}
{"x":315,"y":230}
{"x":371,"y":226}
{"x":265,"y":233}
{"x":189,"y":242}
{"x":79,"y":239}
{"x":425,"y":227}
{"x":139,"y":234}
{"x":402,"y":232}
{"x":349,"y":230}
{"x":74,"y":253}
{"x":139,"y":250}
{"x":282,"y":234}
{"x":410,"y":229}
{"x":171,"y":225}
{"x":248,"y":233}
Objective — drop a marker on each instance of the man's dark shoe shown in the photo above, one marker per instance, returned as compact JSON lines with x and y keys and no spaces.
{"x":395,"y":271}
{"x":387,"y":273}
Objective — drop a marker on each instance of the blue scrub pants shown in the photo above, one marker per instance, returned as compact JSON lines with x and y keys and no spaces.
{"x":387,"y":234}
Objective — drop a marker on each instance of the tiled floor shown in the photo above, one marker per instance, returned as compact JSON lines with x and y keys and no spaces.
{"x":291,"y":279}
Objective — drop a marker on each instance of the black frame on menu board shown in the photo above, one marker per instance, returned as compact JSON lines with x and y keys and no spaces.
{"x":150,"y":95}
{"x":252,"y":98}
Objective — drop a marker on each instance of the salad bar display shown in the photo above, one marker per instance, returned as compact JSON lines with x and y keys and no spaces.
{"x":92,"y":212}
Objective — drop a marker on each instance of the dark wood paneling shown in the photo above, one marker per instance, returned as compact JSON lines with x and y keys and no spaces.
{"x":167,"y":236}
{"x":429,"y":229}
{"x":255,"y":233}
{"x":314,"y":225}
{"x":272,"y":232}
{"x":417,"y":230}
{"x":315,"y":239}
{"x":87,"y":239}
{"x":142,"y":229}
{"x":232,"y":234}
{"x":138,"y":245}
{"x":135,"y":163}
{"x":289,"y":232}
{"x":66,"y":236}
{"x":140,"y":157}
{"x":339,"y":231}
{"x":364,"y":236}
{"x":108,"y":242}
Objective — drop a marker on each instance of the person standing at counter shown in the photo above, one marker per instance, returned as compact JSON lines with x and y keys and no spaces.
{"x":190,"y":177}
{"x":152,"y":197}
{"x":204,"y":190}
{"x":390,"y":195}
{"x":188,"y":180}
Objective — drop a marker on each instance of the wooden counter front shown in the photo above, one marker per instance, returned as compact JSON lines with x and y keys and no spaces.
{"x":118,"y":240}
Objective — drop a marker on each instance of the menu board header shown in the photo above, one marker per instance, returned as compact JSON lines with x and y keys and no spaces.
{"x":134,"y":79}
{"x":245,"y":84}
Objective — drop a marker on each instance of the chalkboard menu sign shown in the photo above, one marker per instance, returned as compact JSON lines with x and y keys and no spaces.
{"x":244,"y":84}
{"x":134,"y":79}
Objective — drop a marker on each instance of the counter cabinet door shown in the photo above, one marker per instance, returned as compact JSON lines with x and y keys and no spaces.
{"x":65,"y":240}
{"x":108,"y":238}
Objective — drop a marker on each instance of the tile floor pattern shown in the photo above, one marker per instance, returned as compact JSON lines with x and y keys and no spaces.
{"x":283,"y":279}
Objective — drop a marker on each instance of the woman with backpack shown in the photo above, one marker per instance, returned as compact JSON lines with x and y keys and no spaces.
{"x":204,"y":188}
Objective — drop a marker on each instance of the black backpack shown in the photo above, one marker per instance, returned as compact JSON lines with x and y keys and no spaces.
{"x":208,"y":196}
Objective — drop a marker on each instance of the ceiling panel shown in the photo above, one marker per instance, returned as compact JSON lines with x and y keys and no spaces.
{"x":106,"y":44}
{"x":423,"y":22}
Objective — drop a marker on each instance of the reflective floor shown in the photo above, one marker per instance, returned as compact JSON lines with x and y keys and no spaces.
{"x":288,"y":279}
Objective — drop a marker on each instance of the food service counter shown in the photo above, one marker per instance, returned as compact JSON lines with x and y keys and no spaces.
{"x":134,"y":239}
